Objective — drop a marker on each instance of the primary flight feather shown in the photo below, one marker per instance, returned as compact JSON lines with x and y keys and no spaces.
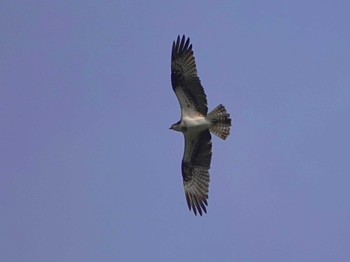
{"x":195,"y":124}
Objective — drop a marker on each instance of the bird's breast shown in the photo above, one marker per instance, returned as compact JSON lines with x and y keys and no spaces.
{"x":198,"y":123}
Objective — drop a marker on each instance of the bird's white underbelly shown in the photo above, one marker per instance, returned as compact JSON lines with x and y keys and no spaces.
{"x":198,"y":123}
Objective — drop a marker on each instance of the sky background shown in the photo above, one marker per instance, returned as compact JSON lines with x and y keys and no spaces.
{"x":90,"y":171}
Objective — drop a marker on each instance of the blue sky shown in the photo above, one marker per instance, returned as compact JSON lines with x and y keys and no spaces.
{"x":90,"y":171}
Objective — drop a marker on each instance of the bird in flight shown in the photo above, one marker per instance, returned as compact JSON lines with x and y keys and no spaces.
{"x":195,"y":124}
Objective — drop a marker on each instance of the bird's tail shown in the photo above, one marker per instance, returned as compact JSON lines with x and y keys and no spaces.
{"x":220,"y":122}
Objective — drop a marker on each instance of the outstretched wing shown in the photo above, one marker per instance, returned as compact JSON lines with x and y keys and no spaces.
{"x":195,"y":170}
{"x":184,"y":79}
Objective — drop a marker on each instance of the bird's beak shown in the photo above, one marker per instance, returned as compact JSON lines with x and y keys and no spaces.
{"x":171,"y":128}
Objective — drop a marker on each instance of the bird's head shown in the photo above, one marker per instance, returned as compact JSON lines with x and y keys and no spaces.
{"x":176,"y":127}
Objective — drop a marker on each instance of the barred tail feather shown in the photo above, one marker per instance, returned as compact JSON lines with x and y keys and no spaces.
{"x":221,"y":122}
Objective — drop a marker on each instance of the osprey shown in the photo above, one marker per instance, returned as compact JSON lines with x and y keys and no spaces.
{"x":195,"y":124}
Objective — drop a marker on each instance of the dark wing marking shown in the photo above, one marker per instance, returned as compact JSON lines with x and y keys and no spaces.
{"x":195,"y":170}
{"x":184,"y":79}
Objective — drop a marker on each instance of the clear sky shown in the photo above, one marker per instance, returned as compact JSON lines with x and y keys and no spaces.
{"x":90,"y":171}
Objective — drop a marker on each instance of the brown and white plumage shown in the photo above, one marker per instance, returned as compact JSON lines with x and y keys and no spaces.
{"x":195,"y":170}
{"x":195,"y":124}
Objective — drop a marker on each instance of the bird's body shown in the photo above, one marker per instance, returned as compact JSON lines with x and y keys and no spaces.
{"x":192,"y":124}
{"x":195,"y":124}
